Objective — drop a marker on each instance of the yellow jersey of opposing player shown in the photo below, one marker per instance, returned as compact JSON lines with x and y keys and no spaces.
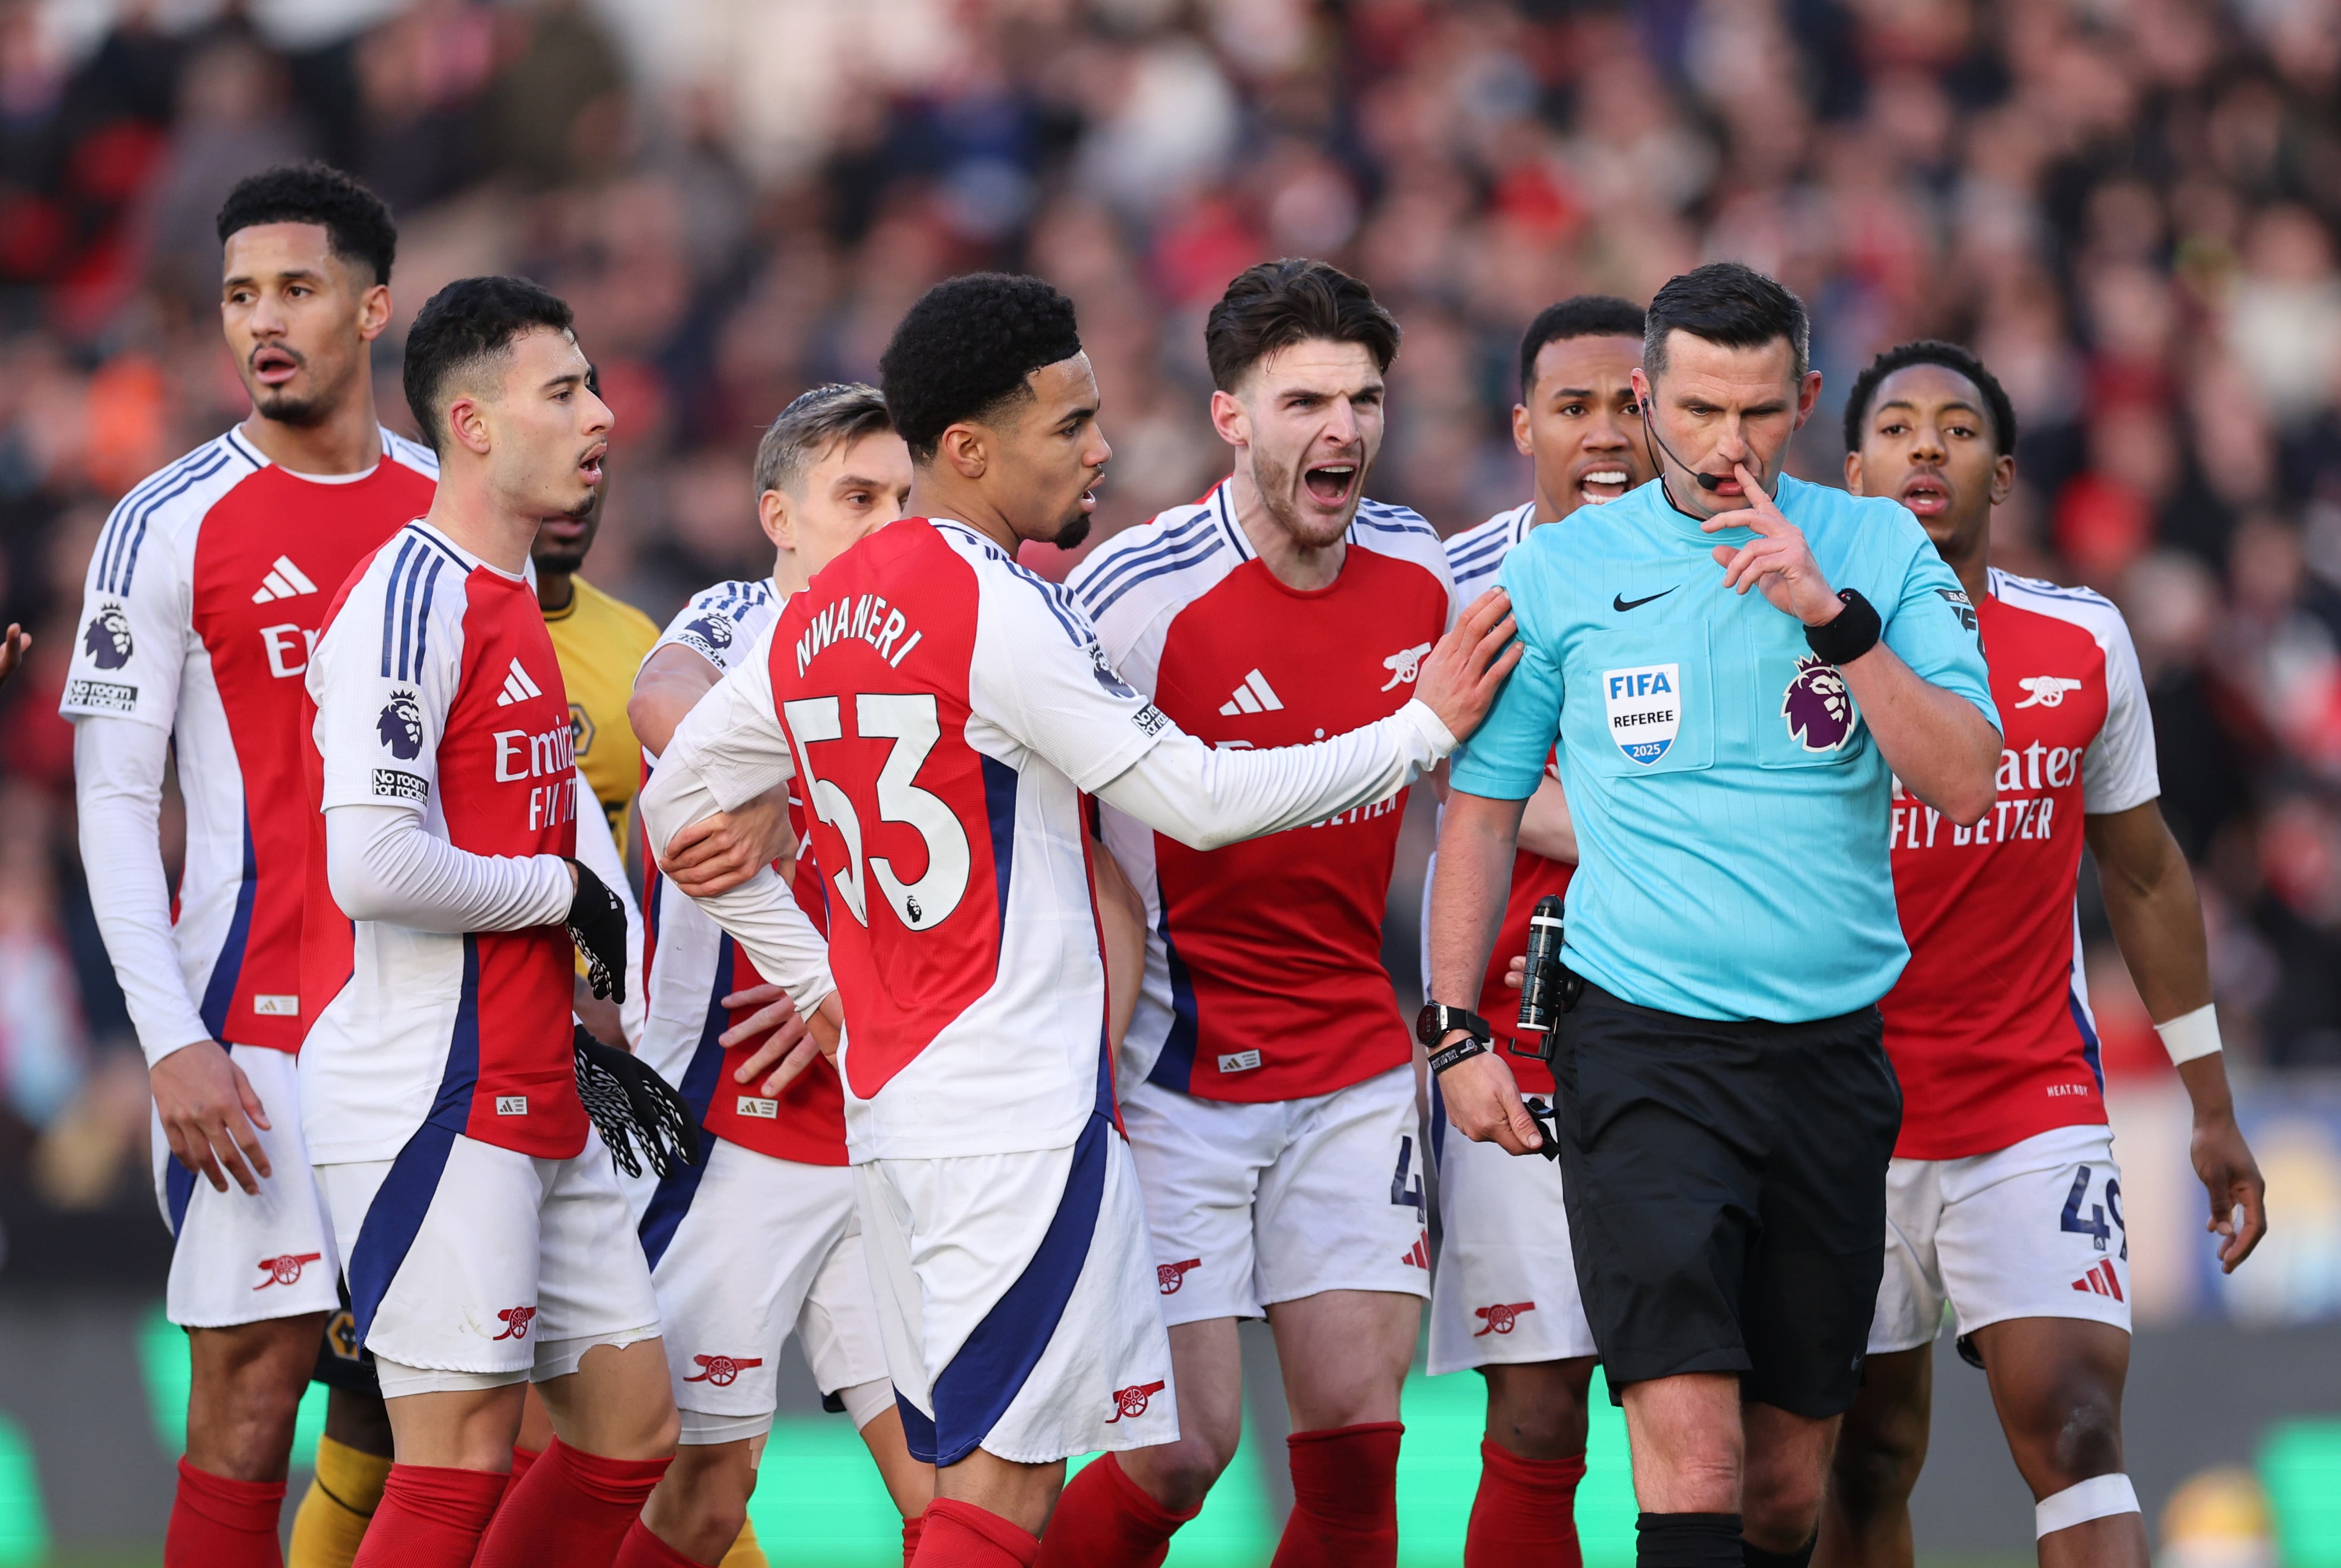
{"x":601,"y":643}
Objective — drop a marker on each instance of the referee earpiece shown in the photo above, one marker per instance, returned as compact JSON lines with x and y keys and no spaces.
{"x":1707,"y":482}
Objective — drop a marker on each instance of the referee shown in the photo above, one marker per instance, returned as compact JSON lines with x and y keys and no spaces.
{"x":1727,"y":1108}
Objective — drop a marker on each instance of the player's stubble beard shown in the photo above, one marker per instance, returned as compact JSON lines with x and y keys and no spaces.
{"x":1279,"y":487}
{"x":302,"y":410}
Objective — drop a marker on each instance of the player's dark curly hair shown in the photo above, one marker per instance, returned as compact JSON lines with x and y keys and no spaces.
{"x":469,"y":321}
{"x":1731,"y":305}
{"x":1930,"y":352}
{"x":964,"y":351}
{"x":1276,"y":304}
{"x":357,"y":225}
{"x":1578,"y":316}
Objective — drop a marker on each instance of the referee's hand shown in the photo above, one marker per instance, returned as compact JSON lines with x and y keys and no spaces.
{"x":1461,"y":675}
{"x":1484,"y":1105}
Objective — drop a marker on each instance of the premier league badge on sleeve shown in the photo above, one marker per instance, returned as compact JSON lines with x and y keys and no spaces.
{"x":1818,"y":708}
{"x":1645,"y":709}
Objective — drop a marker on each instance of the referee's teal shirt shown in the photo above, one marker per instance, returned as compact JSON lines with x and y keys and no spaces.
{"x":1731,"y":810}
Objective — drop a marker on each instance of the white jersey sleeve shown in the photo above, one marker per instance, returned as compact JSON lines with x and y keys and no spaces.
{"x":728,"y":750}
{"x":118,"y":789}
{"x":721,"y":623}
{"x":2118,"y":770}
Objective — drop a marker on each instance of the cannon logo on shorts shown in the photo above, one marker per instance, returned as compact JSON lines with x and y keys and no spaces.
{"x":1501,"y":1317}
{"x":1645,"y":709}
{"x":516,"y":1320}
{"x":285,"y":1269}
{"x":722,"y":1370}
{"x":1169,"y":1277}
{"x":1818,"y":708}
{"x":1132,"y":1401}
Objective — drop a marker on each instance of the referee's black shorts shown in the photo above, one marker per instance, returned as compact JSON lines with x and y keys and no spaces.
{"x":1726,"y":1184}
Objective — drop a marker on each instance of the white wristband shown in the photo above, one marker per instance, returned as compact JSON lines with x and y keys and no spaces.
{"x":2191,"y":1035}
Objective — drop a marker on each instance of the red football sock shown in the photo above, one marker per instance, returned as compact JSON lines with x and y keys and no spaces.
{"x":643,"y":1548}
{"x":911,"y":1528}
{"x":1344,"y":1498}
{"x":217,"y":1522}
{"x":522,"y":1459}
{"x":1525,"y":1516}
{"x":961,"y":1536}
{"x":429,"y":1518}
{"x":574,"y":1509}
{"x":1106,"y":1520}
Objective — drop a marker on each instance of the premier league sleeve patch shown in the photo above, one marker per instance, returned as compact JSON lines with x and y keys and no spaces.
{"x":1645,"y":709}
{"x":1817,"y":709}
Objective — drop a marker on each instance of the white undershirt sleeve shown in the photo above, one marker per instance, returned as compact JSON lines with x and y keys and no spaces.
{"x":1206,"y":798}
{"x":384,"y":865}
{"x":728,"y":750}
{"x":118,"y":765}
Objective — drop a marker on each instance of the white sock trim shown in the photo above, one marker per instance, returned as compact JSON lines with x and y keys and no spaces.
{"x":2099,"y":1497}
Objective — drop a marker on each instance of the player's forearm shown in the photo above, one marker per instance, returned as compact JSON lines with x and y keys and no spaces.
{"x":384,"y":865}
{"x":1545,"y":827}
{"x":1470,"y":882}
{"x":1206,"y":798}
{"x":668,"y":688}
{"x":1941,"y":747}
{"x":118,"y":794}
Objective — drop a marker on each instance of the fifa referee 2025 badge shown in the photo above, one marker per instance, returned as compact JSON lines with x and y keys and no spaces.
{"x":1733,"y":667}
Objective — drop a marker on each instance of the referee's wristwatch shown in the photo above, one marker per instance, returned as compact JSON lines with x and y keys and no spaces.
{"x":1438,"y":1020}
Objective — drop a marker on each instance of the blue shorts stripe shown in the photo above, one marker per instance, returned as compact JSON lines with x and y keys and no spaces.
{"x":1175,"y":1067}
{"x":395,"y":1218}
{"x":984,"y":1379}
{"x":178,"y":1191}
{"x":672,"y":1198}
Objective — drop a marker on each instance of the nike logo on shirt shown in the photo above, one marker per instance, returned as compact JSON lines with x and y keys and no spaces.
{"x":1620,"y":603}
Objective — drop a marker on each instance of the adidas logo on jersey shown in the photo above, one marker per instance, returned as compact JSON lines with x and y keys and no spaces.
{"x":518,"y":687}
{"x":284,"y":580}
{"x":1254,"y":696}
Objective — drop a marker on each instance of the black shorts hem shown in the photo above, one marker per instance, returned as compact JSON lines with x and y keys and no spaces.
{"x":1617,"y":1373}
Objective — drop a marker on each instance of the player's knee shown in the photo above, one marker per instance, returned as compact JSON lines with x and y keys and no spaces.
{"x":1875,"y":1472}
{"x":1779,"y":1513}
{"x":1536,"y":1411}
{"x":1181,"y":1474}
{"x":2084,"y":1440}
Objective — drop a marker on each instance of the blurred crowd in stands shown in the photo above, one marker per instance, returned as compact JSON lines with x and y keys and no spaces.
{"x":2130,"y":207}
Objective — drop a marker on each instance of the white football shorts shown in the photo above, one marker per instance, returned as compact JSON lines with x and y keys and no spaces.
{"x":1254,"y":1203}
{"x":2032,"y":1230}
{"x":1506,"y":1289}
{"x":471,"y":1266}
{"x":245,"y":1259}
{"x":745,"y":1248}
{"x":1016,"y":1301}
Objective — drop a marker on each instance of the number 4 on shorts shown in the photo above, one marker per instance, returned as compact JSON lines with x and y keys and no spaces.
{"x":2095,"y":1226}
{"x":1402,"y":1191}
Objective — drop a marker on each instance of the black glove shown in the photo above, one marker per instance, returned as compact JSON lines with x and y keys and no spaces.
{"x":630,"y":1104}
{"x":597,"y":924}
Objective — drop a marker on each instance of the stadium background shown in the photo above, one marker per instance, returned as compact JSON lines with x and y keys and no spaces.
{"x":2130,"y":207}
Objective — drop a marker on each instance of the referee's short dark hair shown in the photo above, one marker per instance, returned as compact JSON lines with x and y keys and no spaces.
{"x":963,"y":349}
{"x":1930,"y":352}
{"x":1578,"y":316}
{"x":461,"y":327}
{"x":826,"y":419}
{"x":357,"y":225}
{"x":1277,"y":304}
{"x":1731,"y":305}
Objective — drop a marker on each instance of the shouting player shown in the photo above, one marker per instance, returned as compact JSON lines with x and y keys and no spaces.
{"x":1268,"y":1079}
{"x":204,"y":598}
{"x":946,"y":711}
{"x":2004,"y":1197}
{"x":760,"y":1239}
{"x":1505,"y":1299}
{"x":478,"y":1214}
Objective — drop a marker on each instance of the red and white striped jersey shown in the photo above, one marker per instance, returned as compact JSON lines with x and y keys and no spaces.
{"x":1989,"y":1026}
{"x":203,"y":600}
{"x":434,"y":687}
{"x":691,"y":964}
{"x":1473,"y":556}
{"x":1264,"y":979}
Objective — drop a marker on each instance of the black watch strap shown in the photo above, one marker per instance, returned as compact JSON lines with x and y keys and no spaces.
{"x":1437,"y":1020}
{"x":1847,"y":635}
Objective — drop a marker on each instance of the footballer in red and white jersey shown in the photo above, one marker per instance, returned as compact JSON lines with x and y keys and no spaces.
{"x":434,"y":690}
{"x":1250,"y":997}
{"x":1985,"y":1066}
{"x":691,"y":964}
{"x":205,"y":594}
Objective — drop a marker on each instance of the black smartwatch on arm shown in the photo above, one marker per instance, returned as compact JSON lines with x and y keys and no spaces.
{"x":1438,"y":1020}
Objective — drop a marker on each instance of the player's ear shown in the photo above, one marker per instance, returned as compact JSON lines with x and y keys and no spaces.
{"x":373,"y":312}
{"x":1808,"y":397}
{"x":1231,"y":419}
{"x":780,"y":526}
{"x":1853,"y":474}
{"x":2003,"y":478}
{"x":1521,"y":431}
{"x":467,"y":421}
{"x":966,"y":449}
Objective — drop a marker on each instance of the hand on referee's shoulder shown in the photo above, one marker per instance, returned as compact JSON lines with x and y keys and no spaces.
{"x":1483,"y":1104}
{"x":1777,"y":559}
{"x":1464,"y":671}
